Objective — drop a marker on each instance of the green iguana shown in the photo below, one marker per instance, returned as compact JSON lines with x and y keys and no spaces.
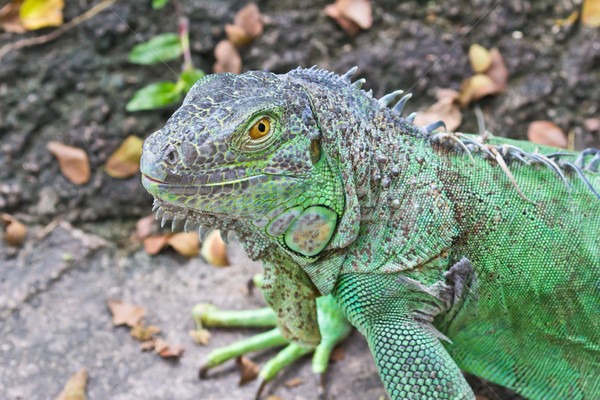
{"x":447,"y":251}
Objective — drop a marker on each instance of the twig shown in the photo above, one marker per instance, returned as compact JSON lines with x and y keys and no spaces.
{"x":57,"y":32}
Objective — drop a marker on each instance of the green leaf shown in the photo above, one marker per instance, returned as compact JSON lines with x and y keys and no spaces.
{"x":156,"y":4}
{"x":191,"y":76}
{"x":160,"y":48}
{"x":154,"y":96}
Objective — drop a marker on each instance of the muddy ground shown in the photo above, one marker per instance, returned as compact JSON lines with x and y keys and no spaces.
{"x":53,"y":290}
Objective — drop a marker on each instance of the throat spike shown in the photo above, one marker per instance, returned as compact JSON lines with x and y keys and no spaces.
{"x":202,"y":232}
{"x":399,"y":107}
{"x":164,"y":220}
{"x":388,"y":98}
{"x":351,"y":71}
{"x":224,"y":236}
{"x":174,"y":224}
{"x":411,"y":117}
{"x":155,"y":206}
{"x":159,"y":213}
{"x":187,"y":226}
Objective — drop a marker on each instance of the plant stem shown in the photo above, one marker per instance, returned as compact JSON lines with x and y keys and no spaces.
{"x":184,"y":37}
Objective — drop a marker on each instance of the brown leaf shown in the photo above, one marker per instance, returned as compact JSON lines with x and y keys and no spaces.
{"x":570,"y":20}
{"x":475,"y":88}
{"x":227,"y":58}
{"x":9,"y":17}
{"x":480,"y":58}
{"x":546,"y":133}
{"x":36,"y":14}
{"x":148,"y":345}
{"x":154,"y":244}
{"x":249,"y":19}
{"x":592,"y":124}
{"x":358,"y":11}
{"x":351,"y":15}
{"x":165,"y":350}
{"x":293,"y":382}
{"x":479,"y":397}
{"x":73,"y":162}
{"x":74,"y":389}
{"x":248,"y":368}
{"x":214,"y":250}
{"x":144,"y":226}
{"x":201,"y":336}
{"x":186,"y":244}
{"x":273,"y":397}
{"x":237,"y":35}
{"x":125,"y":313}
{"x":172,"y":352}
{"x":143,"y":333}
{"x":15,"y":231}
{"x":445,"y":109}
{"x":590,"y":13}
{"x":125,"y":161}
{"x":337,"y":354}
{"x":498,"y":71}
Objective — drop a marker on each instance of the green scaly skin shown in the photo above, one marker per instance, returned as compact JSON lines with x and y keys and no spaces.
{"x":446,"y":251}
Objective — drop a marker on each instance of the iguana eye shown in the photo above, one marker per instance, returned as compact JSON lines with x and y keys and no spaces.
{"x":260,"y":128}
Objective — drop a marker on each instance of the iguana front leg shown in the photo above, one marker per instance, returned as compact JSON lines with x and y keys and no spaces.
{"x":334,"y":328}
{"x":395,"y":314}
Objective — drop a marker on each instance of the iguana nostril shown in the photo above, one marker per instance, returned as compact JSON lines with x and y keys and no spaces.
{"x":170,"y":154}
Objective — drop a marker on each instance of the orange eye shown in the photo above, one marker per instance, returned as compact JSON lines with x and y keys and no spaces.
{"x":260,"y":128}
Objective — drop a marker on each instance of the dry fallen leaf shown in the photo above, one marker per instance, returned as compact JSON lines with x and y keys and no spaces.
{"x":498,"y":71}
{"x":73,"y":162}
{"x":249,"y":370}
{"x":227,"y":58}
{"x":570,"y":20}
{"x":247,"y":25}
{"x":201,"y":336}
{"x":293,"y":382}
{"x":480,"y":58}
{"x":592,"y":124}
{"x":273,"y":397}
{"x":15,"y":231}
{"x":125,"y":313}
{"x":590,"y":13}
{"x":165,"y":350}
{"x":214,"y":250}
{"x":74,"y":389}
{"x":186,"y":244}
{"x":143,"y":333}
{"x":337,"y":354}
{"x":125,"y":161}
{"x":148,"y":345}
{"x":144,"y":226}
{"x":172,"y":352}
{"x":36,"y":14}
{"x":154,"y":244}
{"x":351,"y":15}
{"x":445,"y":109}
{"x":475,"y":88}
{"x":546,"y":133}
{"x":237,"y":35}
{"x":9,"y":17}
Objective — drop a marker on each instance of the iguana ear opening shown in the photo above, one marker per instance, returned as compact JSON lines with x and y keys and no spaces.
{"x":315,"y":151}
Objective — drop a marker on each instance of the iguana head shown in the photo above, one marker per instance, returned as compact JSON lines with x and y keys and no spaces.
{"x":244,"y":153}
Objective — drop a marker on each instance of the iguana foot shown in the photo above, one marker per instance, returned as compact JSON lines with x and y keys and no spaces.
{"x":333,"y":326}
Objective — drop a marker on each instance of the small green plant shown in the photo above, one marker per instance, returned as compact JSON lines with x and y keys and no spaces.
{"x":159,"y":49}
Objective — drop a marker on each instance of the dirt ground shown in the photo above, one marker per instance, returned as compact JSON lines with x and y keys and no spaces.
{"x":53,"y":289}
